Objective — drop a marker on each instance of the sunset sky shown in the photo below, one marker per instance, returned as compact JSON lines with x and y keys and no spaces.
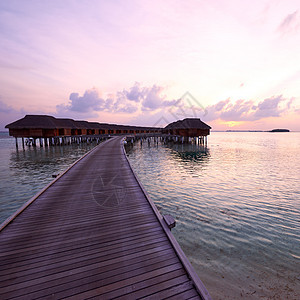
{"x":234,"y":64}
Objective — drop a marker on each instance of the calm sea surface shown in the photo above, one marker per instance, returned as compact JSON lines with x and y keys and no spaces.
{"x":25,"y":173}
{"x":237,"y":207}
{"x":236,"y":203}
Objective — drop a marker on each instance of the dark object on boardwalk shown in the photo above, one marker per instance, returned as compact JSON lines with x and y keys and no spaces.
{"x":279,"y":130}
{"x":170,"y":221}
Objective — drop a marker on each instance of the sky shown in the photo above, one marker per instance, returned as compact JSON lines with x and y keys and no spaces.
{"x":233,"y":64}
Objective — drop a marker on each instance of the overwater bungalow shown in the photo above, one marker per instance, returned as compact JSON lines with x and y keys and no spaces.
{"x":62,"y":130}
{"x":43,"y":126}
{"x":190,"y":127}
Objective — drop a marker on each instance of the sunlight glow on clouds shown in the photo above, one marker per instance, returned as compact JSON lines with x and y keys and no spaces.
{"x":247,"y":110}
{"x":141,"y":99}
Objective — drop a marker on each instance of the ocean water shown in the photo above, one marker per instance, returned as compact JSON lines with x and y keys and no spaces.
{"x":237,"y":208}
{"x":25,"y":173}
{"x":236,"y":203}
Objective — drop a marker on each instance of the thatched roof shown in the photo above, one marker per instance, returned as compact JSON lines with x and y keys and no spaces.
{"x":34,"y":121}
{"x":49,"y":122}
{"x":66,"y":123}
{"x":189,"y":123}
{"x":83,"y":125}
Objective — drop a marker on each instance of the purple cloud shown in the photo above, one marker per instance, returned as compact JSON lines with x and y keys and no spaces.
{"x":4,"y":108}
{"x":290,"y":23}
{"x":268,"y":108}
{"x":8,"y":114}
{"x":122,"y":105}
{"x":135,"y":93}
{"x":153,"y":98}
{"x":289,"y":104}
{"x":239,"y":110}
{"x":88,"y":102}
{"x":168,"y":103}
{"x":129,"y":109}
{"x":146,"y":99}
{"x":125,"y":101}
{"x":220,"y":105}
{"x":243,"y":110}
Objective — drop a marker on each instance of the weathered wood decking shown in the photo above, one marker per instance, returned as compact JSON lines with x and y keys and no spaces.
{"x":94,"y":233}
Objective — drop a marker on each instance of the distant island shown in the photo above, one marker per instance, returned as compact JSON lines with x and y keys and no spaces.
{"x":279,"y":130}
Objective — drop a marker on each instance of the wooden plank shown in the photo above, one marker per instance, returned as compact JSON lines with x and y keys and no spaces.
{"x":77,"y":294}
{"x":108,"y":217}
{"x":74,"y":214}
{"x":87,"y":244}
{"x":88,"y":268}
{"x":72,"y":228}
{"x":162,"y":289}
{"x":88,"y":252}
{"x":88,"y":279}
{"x":127,"y":290}
{"x":135,"y":262}
{"x":77,"y":253}
{"x":190,"y":294}
{"x":78,"y":262}
{"x":28,"y":248}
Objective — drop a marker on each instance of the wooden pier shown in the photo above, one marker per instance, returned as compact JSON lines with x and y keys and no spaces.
{"x":94,"y":233}
{"x":56,"y":131}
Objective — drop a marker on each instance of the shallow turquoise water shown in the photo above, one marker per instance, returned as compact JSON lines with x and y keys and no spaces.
{"x":237,"y":207}
{"x":236,"y":203}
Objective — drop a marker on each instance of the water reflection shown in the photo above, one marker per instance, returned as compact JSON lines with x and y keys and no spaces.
{"x":191,"y":152}
{"x":25,"y":172}
{"x":237,"y":209}
{"x":43,"y":162}
{"x":51,"y":158}
{"x":185,"y":152}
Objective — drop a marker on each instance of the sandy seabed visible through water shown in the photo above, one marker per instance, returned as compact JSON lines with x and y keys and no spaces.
{"x":237,"y":208}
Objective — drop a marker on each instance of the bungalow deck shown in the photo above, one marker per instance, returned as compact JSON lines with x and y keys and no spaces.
{"x":94,"y":233}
